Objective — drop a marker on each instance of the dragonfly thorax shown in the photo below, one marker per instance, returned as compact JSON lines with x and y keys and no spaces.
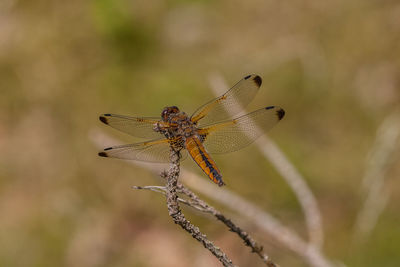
{"x":175,"y":123}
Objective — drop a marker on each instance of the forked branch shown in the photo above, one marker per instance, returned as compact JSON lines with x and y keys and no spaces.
{"x":195,"y":202}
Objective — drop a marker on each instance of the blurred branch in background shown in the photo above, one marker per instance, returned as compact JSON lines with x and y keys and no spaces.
{"x":379,"y":160}
{"x":287,"y":170}
{"x":285,"y":236}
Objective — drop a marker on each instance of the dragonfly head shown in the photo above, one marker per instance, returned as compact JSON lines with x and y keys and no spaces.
{"x":167,"y":111}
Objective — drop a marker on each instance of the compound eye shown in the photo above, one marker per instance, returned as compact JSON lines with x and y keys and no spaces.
{"x":175,"y":109}
{"x":164,"y":114}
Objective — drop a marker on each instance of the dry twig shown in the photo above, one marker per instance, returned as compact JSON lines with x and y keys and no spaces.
{"x":174,"y":210}
{"x":200,"y":205}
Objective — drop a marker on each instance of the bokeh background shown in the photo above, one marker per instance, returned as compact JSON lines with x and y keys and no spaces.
{"x":333,"y":66}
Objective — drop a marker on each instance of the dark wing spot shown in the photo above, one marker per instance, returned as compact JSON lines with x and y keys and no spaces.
{"x":257,"y":80}
{"x":248,"y":76}
{"x":281,"y":113}
{"x":108,"y":148}
{"x":103,"y":154}
{"x":103,"y":119}
{"x":270,"y":107}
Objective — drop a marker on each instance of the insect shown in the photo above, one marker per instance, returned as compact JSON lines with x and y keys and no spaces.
{"x":210,"y":129}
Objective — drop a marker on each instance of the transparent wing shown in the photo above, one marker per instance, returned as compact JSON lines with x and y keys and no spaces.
{"x":232,"y":135}
{"x":135,"y":126}
{"x":230,"y":103}
{"x":150,"y":151}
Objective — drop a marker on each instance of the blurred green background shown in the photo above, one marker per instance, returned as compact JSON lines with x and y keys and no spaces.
{"x":332,"y":65}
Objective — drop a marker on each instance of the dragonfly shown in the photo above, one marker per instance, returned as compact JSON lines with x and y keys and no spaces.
{"x":209,"y":130}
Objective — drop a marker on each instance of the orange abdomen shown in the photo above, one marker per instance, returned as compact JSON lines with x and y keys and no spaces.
{"x":203,"y":159}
